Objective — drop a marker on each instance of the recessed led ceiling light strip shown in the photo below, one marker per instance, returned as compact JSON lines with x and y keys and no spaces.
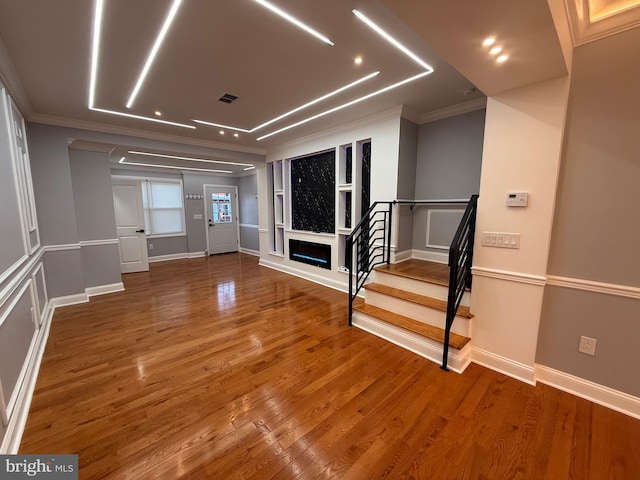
{"x":154,"y":50}
{"x":124,"y":161}
{"x":345,"y":105}
{"x":295,"y":110}
{"x":95,"y":50}
{"x":177,"y":157}
{"x":294,"y":20}
{"x":95,"y":54}
{"x":149,"y":119}
{"x":371,"y":24}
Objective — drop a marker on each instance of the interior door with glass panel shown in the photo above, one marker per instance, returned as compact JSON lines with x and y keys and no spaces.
{"x":222,"y":219}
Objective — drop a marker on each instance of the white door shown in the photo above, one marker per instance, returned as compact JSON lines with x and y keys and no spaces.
{"x":222,"y":219}
{"x":127,"y":201}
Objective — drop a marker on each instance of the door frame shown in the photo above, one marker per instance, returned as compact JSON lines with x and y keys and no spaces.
{"x":138,"y":181}
{"x":206,"y":212}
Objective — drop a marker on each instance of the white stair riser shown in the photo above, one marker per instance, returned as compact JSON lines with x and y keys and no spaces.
{"x":417,"y":286}
{"x":430,"y":316}
{"x":458,"y":360}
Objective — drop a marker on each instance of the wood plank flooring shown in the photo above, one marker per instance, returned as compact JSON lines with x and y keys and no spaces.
{"x":216,"y":368}
{"x":423,"y":270}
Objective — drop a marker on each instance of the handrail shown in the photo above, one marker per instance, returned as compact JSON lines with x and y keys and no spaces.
{"x":460,"y":259}
{"x":365,"y":238}
{"x":372,"y":249}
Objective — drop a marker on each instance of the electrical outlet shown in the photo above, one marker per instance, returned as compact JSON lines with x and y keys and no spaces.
{"x":151,"y":246}
{"x":587,"y":345}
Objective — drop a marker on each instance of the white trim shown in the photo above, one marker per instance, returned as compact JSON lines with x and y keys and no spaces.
{"x":131,"y":132}
{"x":62,"y":247}
{"x":13,"y":399}
{"x":529,"y":279}
{"x":312,"y":277}
{"x":504,"y":365}
{"x":68,"y":300}
{"x":4,"y":419}
{"x":104,"y":289}
{"x":605,"y":396}
{"x":164,"y":258}
{"x":437,"y":257}
{"x":40,"y":269}
{"x":445,"y":210}
{"x":453,"y":110}
{"x":458,"y":360}
{"x":20,"y":277}
{"x":596,"y":287}
{"x":8,"y":272}
{"x":17,"y":422}
{"x":263,"y":230}
{"x":91,"y":243}
{"x":402,"y":256}
{"x":248,"y":225}
{"x":248,"y":251}
{"x":196,"y":254}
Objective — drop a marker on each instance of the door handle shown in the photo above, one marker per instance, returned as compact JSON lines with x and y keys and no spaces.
{"x":140,"y":231}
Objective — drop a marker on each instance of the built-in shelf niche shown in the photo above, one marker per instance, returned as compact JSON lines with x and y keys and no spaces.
{"x":277,"y":214}
{"x":346,"y":185}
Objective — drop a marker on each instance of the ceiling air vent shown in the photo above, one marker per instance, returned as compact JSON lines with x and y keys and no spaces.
{"x":228,"y":98}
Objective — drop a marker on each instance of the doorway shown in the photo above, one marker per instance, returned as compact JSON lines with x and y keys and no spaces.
{"x":221,"y":206}
{"x":129,"y":210}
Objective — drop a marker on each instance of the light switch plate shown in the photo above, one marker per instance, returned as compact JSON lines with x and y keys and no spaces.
{"x":501,"y":240}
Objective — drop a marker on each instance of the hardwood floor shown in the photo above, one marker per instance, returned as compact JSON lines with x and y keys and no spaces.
{"x":217,"y":368}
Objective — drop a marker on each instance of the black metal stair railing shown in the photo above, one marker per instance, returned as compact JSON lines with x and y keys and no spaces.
{"x":370,"y":241}
{"x":460,"y":261}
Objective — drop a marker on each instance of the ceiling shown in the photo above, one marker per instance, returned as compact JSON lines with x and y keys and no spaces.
{"x":242,"y":48}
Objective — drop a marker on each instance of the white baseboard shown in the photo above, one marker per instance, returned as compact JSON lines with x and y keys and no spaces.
{"x":402,"y":256}
{"x":438,"y":257}
{"x":196,"y":254}
{"x":68,"y":300}
{"x":164,"y":258}
{"x":504,"y":365}
{"x":104,"y":289}
{"x":458,"y":360}
{"x":18,"y":420}
{"x":312,"y":277}
{"x":248,"y":251}
{"x":605,"y":396}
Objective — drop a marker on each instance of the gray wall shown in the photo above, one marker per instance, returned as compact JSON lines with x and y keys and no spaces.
{"x":448,"y":167}
{"x":52,"y":184}
{"x":407,"y":160}
{"x":247,"y":193}
{"x":596,"y":223}
{"x":64,"y":274}
{"x":95,"y":216}
{"x":159,"y":246}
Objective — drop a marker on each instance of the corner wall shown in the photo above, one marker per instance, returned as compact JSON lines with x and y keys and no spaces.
{"x":522,"y":151}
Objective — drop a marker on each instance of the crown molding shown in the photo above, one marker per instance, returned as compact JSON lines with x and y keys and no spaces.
{"x":394,"y":112}
{"x":584,"y":30}
{"x":410,"y":115}
{"x":132,"y":132}
{"x":9,"y":77}
{"x":90,"y":146}
{"x":453,"y":110}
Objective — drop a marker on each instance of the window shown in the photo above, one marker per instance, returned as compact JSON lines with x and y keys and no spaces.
{"x":163,"y":207}
{"x":221,"y":207}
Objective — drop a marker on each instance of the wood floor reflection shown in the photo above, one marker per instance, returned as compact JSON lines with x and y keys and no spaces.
{"x":217,"y":368}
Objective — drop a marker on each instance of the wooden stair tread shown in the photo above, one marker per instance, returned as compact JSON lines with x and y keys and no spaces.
{"x":429,"y":331}
{"x":430,"y":302}
{"x":421,"y":270}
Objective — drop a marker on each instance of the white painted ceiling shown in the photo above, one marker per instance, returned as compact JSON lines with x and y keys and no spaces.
{"x":239,"y":47}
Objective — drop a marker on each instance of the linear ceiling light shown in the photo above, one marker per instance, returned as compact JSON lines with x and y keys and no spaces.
{"x":249,"y":168}
{"x":295,"y":21}
{"x":177,"y":157}
{"x":218,"y":125}
{"x":154,"y":50}
{"x":392,"y":40}
{"x":149,"y":119}
{"x":297,"y":109}
{"x":348,"y":104}
{"x":124,"y":161}
{"x":95,"y":49}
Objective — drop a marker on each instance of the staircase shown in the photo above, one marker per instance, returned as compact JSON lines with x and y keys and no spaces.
{"x":406,"y":303}
{"x":421,"y":306}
